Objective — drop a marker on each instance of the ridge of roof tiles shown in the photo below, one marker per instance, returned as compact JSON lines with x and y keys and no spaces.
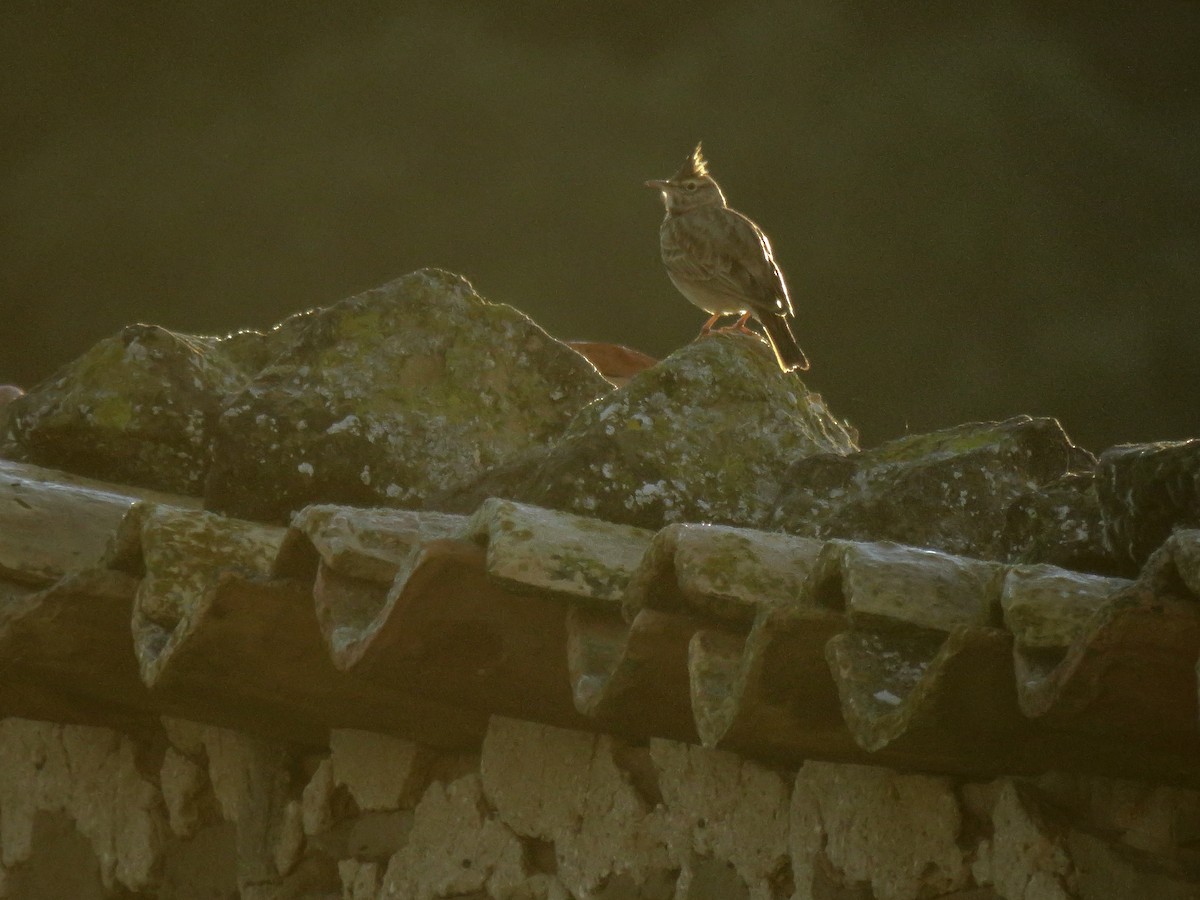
{"x":414,"y":509}
{"x":423,"y":624}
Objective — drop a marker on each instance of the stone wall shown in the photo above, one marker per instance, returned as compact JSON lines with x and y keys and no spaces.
{"x":194,"y":811}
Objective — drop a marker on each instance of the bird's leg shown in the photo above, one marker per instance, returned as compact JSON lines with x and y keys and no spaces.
{"x":739,"y":327}
{"x":707,"y":329}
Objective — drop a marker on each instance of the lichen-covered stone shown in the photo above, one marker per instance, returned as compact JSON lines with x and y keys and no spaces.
{"x":546,"y":550}
{"x":880,"y":582}
{"x":1060,"y":524}
{"x":918,"y":691}
{"x":1146,"y":491}
{"x":185,"y":553}
{"x":950,"y":490}
{"x":370,"y":544}
{"x":1046,"y":607}
{"x":390,"y":396}
{"x":771,"y":689}
{"x":719,"y":571}
{"x":878,"y":677}
{"x":137,"y":408}
{"x":1129,"y":675}
{"x":704,"y":436}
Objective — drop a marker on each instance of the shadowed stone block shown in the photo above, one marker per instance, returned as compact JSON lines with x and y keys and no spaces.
{"x":1146,"y":490}
{"x":950,"y":490}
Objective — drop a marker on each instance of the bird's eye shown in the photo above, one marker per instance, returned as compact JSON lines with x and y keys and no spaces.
{"x":691,"y":185}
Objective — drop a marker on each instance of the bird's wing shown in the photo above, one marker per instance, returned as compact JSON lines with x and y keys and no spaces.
{"x":735,"y":258}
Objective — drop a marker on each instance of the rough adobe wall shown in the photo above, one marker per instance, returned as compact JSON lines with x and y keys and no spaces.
{"x":542,"y":812}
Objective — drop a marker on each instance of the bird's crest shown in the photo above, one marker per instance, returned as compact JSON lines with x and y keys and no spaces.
{"x":693,"y":167}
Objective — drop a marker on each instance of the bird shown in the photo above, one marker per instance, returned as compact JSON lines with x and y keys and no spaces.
{"x":721,"y":261}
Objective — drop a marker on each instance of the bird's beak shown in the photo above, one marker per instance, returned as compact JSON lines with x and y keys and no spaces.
{"x":657,"y":185}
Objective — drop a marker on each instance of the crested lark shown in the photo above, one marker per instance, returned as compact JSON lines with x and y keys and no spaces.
{"x":721,"y":261}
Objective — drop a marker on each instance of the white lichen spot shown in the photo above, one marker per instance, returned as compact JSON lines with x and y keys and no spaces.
{"x":648,"y":492}
{"x":350,"y":423}
{"x":887,"y":697}
{"x":392,"y":490}
{"x":305,"y":468}
{"x":365,"y":475}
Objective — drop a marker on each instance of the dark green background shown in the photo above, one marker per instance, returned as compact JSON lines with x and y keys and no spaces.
{"x":982,"y":208}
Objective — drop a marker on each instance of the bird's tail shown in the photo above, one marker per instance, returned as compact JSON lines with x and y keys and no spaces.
{"x":783,"y":342}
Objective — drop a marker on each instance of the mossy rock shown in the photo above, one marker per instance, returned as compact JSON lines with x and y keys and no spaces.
{"x":137,"y":408}
{"x":388,"y":397}
{"x":704,"y":436}
{"x":949,"y":490}
{"x":1146,"y":491}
